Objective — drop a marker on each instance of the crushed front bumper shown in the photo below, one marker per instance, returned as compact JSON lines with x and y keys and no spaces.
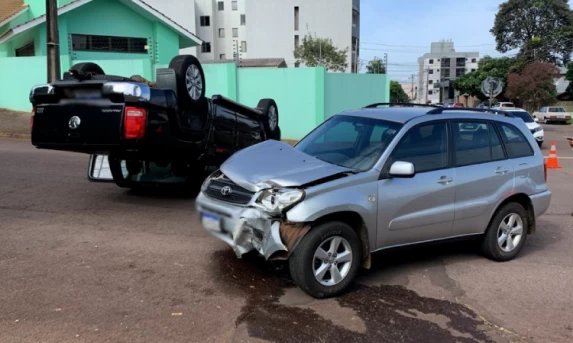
{"x":249,"y":228}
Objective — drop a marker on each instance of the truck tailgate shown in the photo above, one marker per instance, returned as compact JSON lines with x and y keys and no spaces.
{"x":72,"y":122}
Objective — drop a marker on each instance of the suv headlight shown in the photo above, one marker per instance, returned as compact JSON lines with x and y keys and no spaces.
{"x":537,"y":129}
{"x":278,"y":200}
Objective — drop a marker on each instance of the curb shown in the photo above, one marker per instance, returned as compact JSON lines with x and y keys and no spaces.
{"x":15,"y":135}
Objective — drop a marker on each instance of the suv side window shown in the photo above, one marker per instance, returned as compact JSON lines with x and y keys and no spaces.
{"x":515,"y":142}
{"x":425,"y":145}
{"x":475,"y":142}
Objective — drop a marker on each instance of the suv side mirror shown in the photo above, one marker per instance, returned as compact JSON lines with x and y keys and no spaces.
{"x":402,"y":169}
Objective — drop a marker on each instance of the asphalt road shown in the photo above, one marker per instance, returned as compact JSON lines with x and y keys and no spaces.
{"x":89,"y":262}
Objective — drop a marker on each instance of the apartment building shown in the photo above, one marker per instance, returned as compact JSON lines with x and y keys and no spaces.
{"x":265,"y":28}
{"x":438,"y":68}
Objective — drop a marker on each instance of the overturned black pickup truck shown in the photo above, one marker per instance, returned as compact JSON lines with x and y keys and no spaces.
{"x":139,"y":132}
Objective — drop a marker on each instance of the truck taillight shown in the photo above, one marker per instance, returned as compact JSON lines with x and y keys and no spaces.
{"x":134,"y":122}
{"x":32,"y":119}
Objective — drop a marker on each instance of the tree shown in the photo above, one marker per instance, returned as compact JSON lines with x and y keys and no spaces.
{"x":314,"y":51}
{"x":375,"y":66}
{"x":541,"y":30}
{"x":470,"y":83}
{"x":534,"y":87}
{"x":397,"y":93}
{"x":569,"y":77}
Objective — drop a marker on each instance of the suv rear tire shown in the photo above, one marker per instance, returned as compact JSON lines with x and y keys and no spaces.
{"x":270,"y":118}
{"x":340,"y":247}
{"x":507,"y":233}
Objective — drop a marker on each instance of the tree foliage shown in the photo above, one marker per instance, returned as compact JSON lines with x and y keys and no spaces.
{"x":534,"y":87}
{"x":314,"y":51}
{"x":470,"y":83}
{"x":397,"y":93}
{"x":569,"y":77}
{"x":375,"y":66}
{"x":541,"y":29}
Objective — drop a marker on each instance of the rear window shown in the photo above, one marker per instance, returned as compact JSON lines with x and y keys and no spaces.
{"x":556,"y":109}
{"x":515,"y":142}
{"x":524,"y":116}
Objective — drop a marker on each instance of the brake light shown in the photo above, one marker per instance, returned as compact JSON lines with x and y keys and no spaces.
{"x":32,"y":119}
{"x":134,"y":122}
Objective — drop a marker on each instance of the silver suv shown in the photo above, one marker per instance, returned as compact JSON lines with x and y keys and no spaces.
{"x":378,"y":178}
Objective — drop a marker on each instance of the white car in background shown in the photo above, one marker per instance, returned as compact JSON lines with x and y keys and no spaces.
{"x":504,"y":105}
{"x":552,"y":114}
{"x":532,"y":125}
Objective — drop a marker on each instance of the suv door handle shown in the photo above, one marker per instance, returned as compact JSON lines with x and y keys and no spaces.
{"x":501,"y":170}
{"x":444,"y":180}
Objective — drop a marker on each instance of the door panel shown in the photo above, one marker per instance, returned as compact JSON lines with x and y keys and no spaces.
{"x":416,"y":209}
{"x":421,"y":207}
{"x":225,"y":129}
{"x":484,"y":175}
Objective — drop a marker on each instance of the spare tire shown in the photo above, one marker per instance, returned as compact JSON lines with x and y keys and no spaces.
{"x":190,"y":80}
{"x":88,"y":68}
{"x":270,"y":118}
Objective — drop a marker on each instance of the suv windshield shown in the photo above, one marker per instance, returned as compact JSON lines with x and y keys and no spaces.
{"x":348,"y":141}
{"x":523,"y":115}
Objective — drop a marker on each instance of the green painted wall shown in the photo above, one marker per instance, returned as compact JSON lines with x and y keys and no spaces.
{"x":297,"y":91}
{"x":38,"y":7}
{"x":166,"y":43}
{"x":349,"y":91}
{"x":19,"y":75}
{"x":221,"y":79}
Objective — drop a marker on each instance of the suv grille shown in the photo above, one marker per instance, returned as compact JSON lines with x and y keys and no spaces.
{"x":237,"y":194}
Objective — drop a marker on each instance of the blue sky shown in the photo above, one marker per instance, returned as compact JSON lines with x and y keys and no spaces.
{"x":404,"y":29}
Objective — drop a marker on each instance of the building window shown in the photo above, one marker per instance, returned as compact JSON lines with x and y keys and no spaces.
{"x":445,"y":62}
{"x":109,"y":44}
{"x":460,"y":62}
{"x":243,"y":20}
{"x":431,"y":71}
{"x":235,"y":32}
{"x":234,"y":5}
{"x":430,"y":92}
{"x":460,"y":72}
{"x":243,"y":46}
{"x":26,"y":50}
{"x":296,"y":18}
{"x":355,"y":18}
{"x":221,"y":33}
{"x":222,"y":56}
{"x":473,"y":60}
{"x":296,"y":41}
{"x":431,"y":61}
{"x":206,"y":47}
{"x":205,"y":20}
{"x":446,"y":73}
{"x":473,"y":70}
{"x":221,"y":5}
{"x":430,"y":82}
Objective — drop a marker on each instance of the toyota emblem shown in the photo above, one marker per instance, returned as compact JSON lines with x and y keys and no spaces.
{"x":74,"y":122}
{"x":226,"y":190}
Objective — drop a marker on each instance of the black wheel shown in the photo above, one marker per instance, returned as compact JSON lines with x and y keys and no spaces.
{"x":190,"y":80}
{"x":326,"y":261}
{"x":506,"y":233}
{"x":88,"y":68}
{"x":271,"y":118}
{"x":117,"y":173}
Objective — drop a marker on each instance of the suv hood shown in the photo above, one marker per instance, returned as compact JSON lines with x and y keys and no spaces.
{"x":532,"y":125}
{"x":273,"y":163}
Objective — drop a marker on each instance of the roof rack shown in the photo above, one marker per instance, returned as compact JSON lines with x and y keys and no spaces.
{"x":407,"y":104}
{"x":470,"y":109}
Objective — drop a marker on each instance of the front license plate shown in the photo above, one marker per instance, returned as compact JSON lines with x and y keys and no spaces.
{"x":211,"y":222}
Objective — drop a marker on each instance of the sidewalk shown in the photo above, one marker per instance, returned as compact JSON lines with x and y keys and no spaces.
{"x":14,"y":124}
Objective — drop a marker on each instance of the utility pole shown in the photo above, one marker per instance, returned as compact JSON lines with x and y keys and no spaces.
{"x":53,"y":41}
{"x":412,"y":90}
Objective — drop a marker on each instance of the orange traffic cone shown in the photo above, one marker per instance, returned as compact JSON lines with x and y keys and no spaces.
{"x":552,"y":161}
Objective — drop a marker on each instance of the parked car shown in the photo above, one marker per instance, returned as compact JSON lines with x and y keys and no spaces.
{"x":503,"y":105}
{"x":535,"y":128}
{"x":552,"y":114}
{"x":160,"y":132}
{"x":374,"y":179}
{"x":455,"y":104}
